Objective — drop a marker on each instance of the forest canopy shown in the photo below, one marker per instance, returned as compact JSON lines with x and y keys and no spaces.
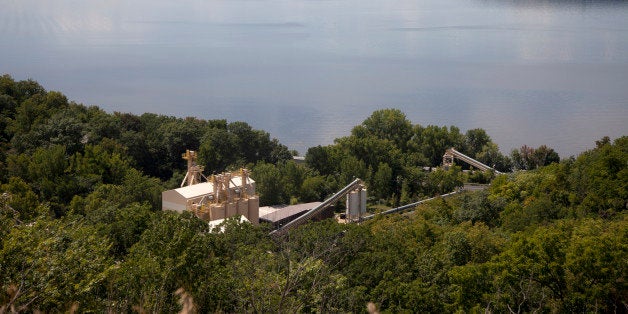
{"x":81,"y":225}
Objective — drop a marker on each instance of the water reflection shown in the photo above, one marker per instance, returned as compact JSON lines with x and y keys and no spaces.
{"x":307,"y":71}
{"x":585,"y":4}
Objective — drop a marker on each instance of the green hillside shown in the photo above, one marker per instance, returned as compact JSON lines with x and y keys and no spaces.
{"x":81,"y":225}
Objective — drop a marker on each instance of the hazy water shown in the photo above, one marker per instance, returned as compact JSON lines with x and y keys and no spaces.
{"x":529,"y":72}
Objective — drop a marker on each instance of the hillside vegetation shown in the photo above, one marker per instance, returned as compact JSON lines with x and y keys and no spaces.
{"x":81,"y":227}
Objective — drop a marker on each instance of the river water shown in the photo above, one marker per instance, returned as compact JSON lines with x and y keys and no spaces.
{"x":307,"y":71}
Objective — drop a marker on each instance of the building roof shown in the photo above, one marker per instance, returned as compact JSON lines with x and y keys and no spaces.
{"x":206,"y":188}
{"x":279,"y":212}
{"x":196,"y":190}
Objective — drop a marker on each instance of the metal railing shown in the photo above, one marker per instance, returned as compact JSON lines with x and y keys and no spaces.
{"x":408,"y":206}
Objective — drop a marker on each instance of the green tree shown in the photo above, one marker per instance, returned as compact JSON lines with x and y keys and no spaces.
{"x":175,"y":137}
{"x":294,"y":175}
{"x":432,"y":141}
{"x":47,"y":171}
{"x":386,"y":124}
{"x":253,"y":145}
{"x":36,"y":109}
{"x":269,"y":184}
{"x":54,"y":264}
{"x":7,"y":113}
{"x":279,"y":152}
{"x":99,"y":125}
{"x":595,"y":266}
{"x":475,"y":141}
{"x":314,"y":189}
{"x":61,"y":129}
{"x":555,"y":268}
{"x":383,"y":181}
{"x":372,"y":151}
{"x":443,"y":181}
{"x":599,"y":179}
{"x":25,"y":89}
{"x":352,"y":168}
{"x":104,"y":163}
{"x":21,"y":200}
{"x":156,"y":265}
{"x":123,"y":225}
{"x":321,"y":159}
{"x":413,"y":179}
{"x":477,"y":207}
{"x":528,"y":158}
{"x":219,"y":149}
{"x":491,"y":156}
{"x":7,"y":85}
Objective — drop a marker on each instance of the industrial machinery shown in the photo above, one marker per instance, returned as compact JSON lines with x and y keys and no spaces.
{"x":195,"y":172}
{"x":451,"y":153}
{"x":222,"y":196}
{"x":357,"y":187}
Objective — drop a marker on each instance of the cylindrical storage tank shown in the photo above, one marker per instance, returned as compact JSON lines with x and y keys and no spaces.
{"x":243,"y":208}
{"x":217,"y":211}
{"x":362,"y":202}
{"x":232,"y":209}
{"x":254,"y":210}
{"x":353,"y":205}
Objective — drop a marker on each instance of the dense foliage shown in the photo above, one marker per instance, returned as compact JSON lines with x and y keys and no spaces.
{"x":81,"y":229}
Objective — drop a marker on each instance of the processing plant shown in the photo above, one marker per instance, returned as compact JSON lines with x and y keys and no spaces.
{"x":223,"y":196}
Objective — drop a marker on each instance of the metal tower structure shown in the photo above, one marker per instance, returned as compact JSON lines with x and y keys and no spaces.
{"x":195,"y":172}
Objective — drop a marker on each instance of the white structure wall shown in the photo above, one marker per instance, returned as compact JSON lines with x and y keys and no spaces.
{"x":239,"y":198}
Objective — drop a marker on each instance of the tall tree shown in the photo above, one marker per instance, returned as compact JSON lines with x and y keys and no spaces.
{"x":388,"y":124}
{"x":475,"y":140}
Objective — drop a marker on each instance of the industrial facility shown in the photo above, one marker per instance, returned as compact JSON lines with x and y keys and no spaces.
{"x":222,"y":196}
{"x":279,"y":215}
{"x":358,"y":206}
{"x":233,"y":194}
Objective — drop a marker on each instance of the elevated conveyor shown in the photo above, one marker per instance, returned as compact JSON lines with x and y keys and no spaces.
{"x":451,"y":153}
{"x":356,"y":184}
{"x":409,"y":206}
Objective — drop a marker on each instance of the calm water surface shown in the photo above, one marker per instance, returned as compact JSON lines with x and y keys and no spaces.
{"x":529,"y":72}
